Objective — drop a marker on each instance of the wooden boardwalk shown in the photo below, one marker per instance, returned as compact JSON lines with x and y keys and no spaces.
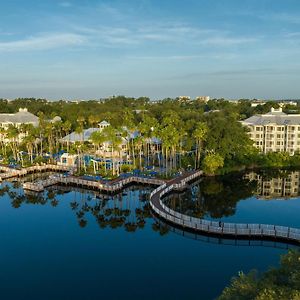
{"x":112,"y":187}
{"x":233,"y":230}
{"x":254,"y":231}
{"x":7,"y":172}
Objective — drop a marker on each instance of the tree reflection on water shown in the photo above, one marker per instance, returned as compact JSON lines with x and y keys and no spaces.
{"x":214,"y":197}
{"x":129,"y":209}
{"x":217,"y":197}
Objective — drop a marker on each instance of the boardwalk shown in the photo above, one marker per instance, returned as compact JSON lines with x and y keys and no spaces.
{"x":7,"y":172}
{"x":254,"y":231}
{"x":90,"y":184}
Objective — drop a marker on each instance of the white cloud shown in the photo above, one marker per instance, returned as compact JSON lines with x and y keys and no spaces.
{"x":160,"y":33}
{"x":43,"y":42}
{"x":227,"y":41}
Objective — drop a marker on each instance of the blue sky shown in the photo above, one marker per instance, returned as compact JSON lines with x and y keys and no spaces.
{"x":157,"y":48}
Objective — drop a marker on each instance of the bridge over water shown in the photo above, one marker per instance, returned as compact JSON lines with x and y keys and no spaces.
{"x":230,"y":230}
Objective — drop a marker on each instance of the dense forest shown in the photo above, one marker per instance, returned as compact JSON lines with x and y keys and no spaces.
{"x":193,"y":134}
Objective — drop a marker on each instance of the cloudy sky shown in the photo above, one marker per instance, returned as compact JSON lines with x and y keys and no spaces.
{"x":156,"y":48}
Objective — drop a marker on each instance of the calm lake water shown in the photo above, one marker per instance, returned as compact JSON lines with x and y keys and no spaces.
{"x":75,"y":244}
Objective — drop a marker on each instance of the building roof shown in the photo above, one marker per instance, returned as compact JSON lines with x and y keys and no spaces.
{"x":22,"y":116}
{"x":56,"y":119}
{"x":80,"y":137}
{"x":274,"y":117}
{"x":104,"y":123}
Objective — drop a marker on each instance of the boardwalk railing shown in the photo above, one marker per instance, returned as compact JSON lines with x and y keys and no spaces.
{"x":72,"y":180}
{"x":8,"y":172}
{"x":232,"y":229}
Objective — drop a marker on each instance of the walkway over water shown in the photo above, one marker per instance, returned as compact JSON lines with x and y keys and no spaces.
{"x":90,"y":184}
{"x":254,"y":231}
{"x":8,"y":172}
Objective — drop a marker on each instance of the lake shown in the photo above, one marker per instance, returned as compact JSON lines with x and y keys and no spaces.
{"x":75,"y":244}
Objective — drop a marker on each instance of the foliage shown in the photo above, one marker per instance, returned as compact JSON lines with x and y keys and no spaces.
{"x":187,"y":132}
{"x":276,"y":284}
{"x":212,"y":162}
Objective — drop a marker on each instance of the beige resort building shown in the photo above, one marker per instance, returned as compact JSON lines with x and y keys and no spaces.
{"x":275,"y":131}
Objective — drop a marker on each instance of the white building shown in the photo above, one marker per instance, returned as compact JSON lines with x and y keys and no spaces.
{"x":275,"y":131}
{"x":255,"y":103}
{"x":203,"y":99}
{"x":21,"y":117}
{"x":68,"y":160}
{"x":184,"y":98}
{"x":103,"y":125}
{"x":284,"y":103}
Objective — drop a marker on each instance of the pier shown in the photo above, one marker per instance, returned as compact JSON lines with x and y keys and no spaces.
{"x":231,"y":230}
{"x":113,"y":187}
{"x":7,"y":172}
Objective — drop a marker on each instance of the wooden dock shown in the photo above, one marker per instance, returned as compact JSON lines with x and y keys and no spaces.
{"x":7,"y":172}
{"x":233,"y":230}
{"x":254,"y":231}
{"x":113,"y":187}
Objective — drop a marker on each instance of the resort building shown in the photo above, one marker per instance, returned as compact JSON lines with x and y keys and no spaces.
{"x":281,"y":187}
{"x":103,"y":125}
{"x":255,"y":103}
{"x":184,"y":98}
{"x":285,"y":103}
{"x":275,"y":131}
{"x":203,"y":99}
{"x":68,"y":160}
{"x":82,"y":137}
{"x":19,"y":118}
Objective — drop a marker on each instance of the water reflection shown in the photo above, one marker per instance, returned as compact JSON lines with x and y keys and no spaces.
{"x":212,"y":198}
{"x":216,"y":197}
{"x":276,"y":184}
{"x":129,"y":209}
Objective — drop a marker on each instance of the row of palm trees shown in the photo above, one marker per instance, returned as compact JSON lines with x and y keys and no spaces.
{"x":163,"y":143}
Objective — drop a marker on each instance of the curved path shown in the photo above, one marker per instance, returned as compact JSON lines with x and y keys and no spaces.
{"x":254,"y":231}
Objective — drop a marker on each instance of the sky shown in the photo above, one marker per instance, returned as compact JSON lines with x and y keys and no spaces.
{"x":90,"y":49}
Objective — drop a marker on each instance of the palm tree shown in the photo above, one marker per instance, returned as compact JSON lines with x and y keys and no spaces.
{"x":199,"y":134}
{"x":66,"y":126}
{"x":97,"y":138}
{"x":93,"y":120}
{"x":13,"y":136}
{"x":29,"y":142}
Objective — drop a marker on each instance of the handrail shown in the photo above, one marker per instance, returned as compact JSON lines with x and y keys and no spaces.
{"x":199,"y":224}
